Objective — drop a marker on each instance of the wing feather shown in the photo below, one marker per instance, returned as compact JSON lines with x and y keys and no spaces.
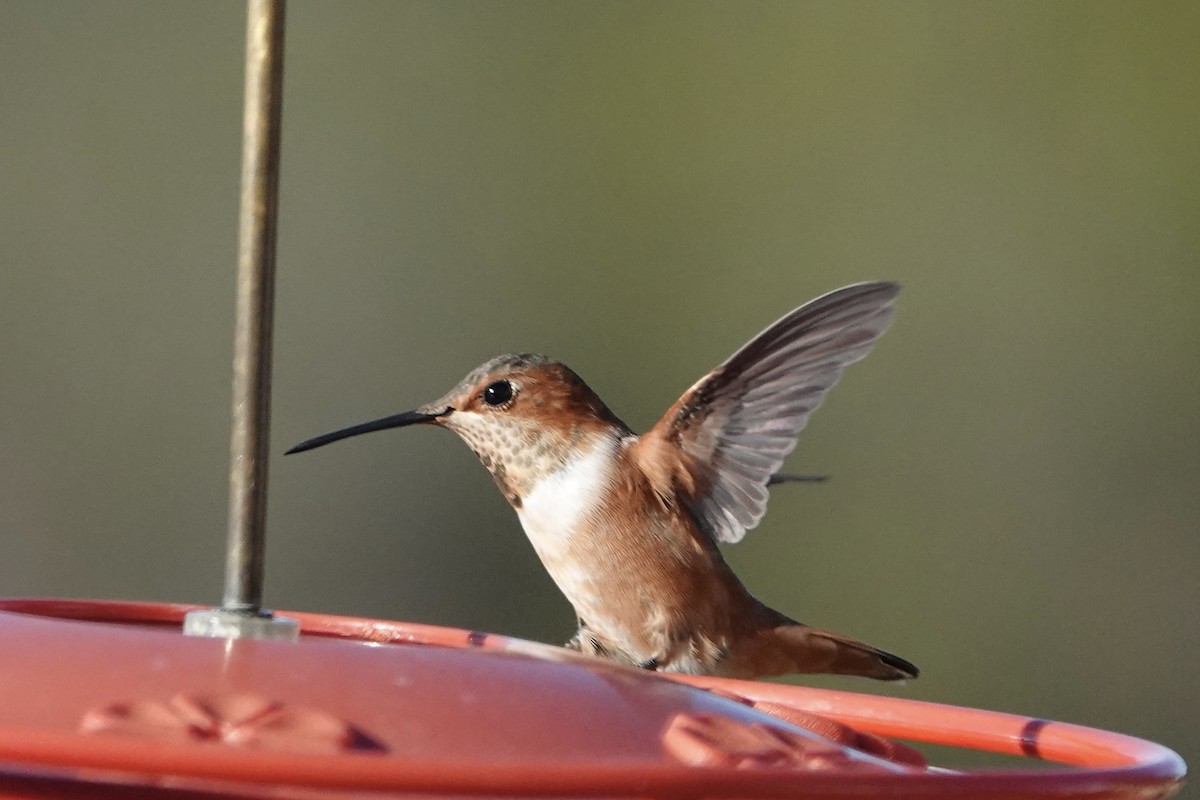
{"x":732,"y":430}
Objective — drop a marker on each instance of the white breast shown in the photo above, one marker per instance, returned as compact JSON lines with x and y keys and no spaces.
{"x":551,"y":512}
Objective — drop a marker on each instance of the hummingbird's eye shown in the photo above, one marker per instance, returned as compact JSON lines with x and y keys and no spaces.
{"x":498,"y":393}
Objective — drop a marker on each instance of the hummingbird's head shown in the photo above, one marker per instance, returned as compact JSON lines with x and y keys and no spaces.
{"x":523,"y":415}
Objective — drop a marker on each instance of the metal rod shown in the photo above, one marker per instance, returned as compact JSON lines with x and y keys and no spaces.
{"x":255,"y":307}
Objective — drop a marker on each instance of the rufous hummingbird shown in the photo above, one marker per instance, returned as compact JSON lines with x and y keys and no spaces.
{"x":628,"y":525}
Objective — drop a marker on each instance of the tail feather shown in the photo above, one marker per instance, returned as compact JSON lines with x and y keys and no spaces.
{"x":847,"y":656}
{"x":783,"y":646}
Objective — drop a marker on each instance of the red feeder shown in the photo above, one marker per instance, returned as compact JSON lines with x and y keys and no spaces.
{"x":106,"y":698}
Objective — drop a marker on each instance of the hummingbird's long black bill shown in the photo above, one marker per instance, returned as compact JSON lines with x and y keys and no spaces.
{"x":394,"y":421}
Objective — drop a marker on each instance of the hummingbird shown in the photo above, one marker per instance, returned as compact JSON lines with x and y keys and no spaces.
{"x":628,"y":526}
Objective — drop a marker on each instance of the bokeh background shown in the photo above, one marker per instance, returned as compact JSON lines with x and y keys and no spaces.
{"x":636,"y":189}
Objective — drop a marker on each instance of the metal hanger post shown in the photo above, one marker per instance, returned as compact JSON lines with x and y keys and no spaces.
{"x":241,"y":613}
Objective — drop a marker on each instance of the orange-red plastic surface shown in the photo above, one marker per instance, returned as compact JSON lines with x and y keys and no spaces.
{"x":101,"y":695}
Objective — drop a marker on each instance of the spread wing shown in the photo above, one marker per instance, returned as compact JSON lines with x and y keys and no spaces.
{"x":721,"y":443}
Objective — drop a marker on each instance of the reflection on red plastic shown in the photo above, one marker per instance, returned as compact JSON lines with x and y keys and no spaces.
{"x":705,"y":740}
{"x":831,"y":729}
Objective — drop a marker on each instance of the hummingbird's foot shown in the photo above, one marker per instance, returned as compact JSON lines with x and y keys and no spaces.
{"x":584,"y":641}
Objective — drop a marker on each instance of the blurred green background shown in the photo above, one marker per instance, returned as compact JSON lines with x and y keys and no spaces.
{"x":635,"y":189}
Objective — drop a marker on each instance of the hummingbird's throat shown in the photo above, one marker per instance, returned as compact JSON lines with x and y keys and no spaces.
{"x":516,"y":452}
{"x":499,"y":473}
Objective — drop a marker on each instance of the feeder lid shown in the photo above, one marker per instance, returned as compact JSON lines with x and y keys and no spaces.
{"x":113,"y":692}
